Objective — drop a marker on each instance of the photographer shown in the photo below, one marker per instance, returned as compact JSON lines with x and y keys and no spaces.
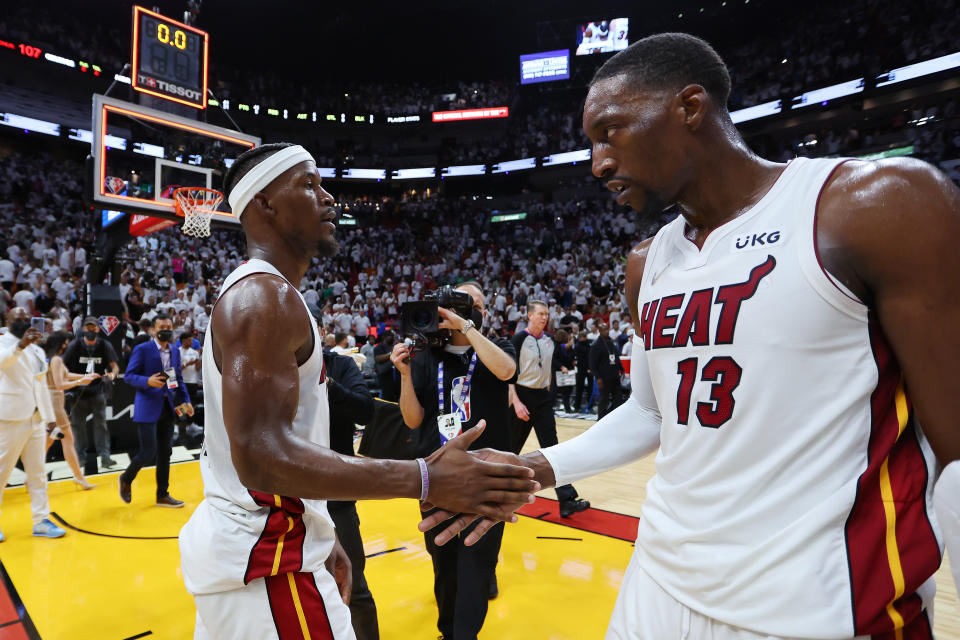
{"x":90,"y":353}
{"x":444,"y":391}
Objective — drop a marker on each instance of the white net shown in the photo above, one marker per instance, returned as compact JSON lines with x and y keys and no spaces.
{"x":197,"y":206}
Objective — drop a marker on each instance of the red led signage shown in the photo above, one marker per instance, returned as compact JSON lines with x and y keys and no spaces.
{"x":471,"y":114}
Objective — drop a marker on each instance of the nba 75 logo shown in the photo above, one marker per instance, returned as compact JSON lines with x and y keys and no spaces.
{"x":108,"y":324}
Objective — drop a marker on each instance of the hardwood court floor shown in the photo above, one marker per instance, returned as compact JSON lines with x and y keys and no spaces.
{"x":556,"y":583}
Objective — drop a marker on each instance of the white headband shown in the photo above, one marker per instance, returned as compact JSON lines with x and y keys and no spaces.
{"x":263,"y":174}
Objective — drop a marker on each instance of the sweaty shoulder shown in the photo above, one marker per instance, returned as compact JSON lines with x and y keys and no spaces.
{"x":636,"y":260}
{"x":872,"y":214}
{"x":261,"y":307}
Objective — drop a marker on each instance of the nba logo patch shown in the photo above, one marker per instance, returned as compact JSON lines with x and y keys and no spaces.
{"x":108,"y":324}
{"x":459,"y":405}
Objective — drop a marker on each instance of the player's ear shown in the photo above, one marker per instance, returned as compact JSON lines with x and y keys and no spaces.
{"x":693,"y":100}
{"x":260,"y":199}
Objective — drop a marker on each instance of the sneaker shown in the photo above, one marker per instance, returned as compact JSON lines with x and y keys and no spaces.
{"x":126,"y":491}
{"x":570,"y":507}
{"x":169,"y":502}
{"x":194,"y":430}
{"x":46,"y":529}
{"x":106,"y":463}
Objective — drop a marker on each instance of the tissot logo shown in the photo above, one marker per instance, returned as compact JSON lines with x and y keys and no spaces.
{"x":761,"y":240}
{"x":169,"y":87}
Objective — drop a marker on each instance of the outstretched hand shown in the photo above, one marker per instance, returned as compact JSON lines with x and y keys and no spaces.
{"x":477,"y":483}
{"x":459,"y":521}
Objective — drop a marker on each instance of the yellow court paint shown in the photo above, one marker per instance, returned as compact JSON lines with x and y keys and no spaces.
{"x":86,"y":586}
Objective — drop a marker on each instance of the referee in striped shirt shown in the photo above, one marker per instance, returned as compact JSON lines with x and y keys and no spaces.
{"x":532,"y":398}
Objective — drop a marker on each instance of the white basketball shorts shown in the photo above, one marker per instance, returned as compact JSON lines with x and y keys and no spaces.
{"x":644,"y":611}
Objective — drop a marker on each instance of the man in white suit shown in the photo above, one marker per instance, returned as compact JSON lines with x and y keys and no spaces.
{"x":25,"y":409}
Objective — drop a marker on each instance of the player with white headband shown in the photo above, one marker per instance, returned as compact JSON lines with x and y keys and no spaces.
{"x":259,"y":551}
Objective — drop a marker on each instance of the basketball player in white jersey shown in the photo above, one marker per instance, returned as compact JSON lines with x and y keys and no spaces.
{"x":795,"y":362}
{"x":255,"y":550}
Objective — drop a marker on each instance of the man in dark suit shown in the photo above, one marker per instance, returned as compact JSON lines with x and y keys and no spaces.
{"x":154,"y":371}
{"x":605,"y":364}
{"x":351,"y":403}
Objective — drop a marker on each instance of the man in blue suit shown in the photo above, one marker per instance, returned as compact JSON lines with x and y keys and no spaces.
{"x":154,"y":370}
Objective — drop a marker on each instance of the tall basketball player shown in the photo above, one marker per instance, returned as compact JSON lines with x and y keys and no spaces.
{"x":795,"y":363}
{"x":254,"y":552}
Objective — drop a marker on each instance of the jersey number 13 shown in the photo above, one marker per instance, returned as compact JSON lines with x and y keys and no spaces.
{"x":724,"y":373}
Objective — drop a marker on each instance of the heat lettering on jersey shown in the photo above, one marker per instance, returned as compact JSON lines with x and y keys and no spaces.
{"x":666,"y":323}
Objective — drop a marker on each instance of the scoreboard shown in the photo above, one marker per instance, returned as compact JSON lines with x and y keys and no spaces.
{"x":169,"y":58}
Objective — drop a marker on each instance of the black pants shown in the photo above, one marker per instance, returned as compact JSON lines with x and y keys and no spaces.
{"x":564,"y":394}
{"x":194,"y":390}
{"x":363,"y":610}
{"x":539,"y":403}
{"x":611,"y":396}
{"x":90,"y":403}
{"x":583,"y":381}
{"x":156,"y":440}
{"x":461,"y":580}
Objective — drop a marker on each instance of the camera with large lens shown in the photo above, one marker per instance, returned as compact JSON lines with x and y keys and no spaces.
{"x":420,"y":321}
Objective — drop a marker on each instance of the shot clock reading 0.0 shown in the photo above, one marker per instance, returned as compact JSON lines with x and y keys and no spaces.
{"x":170,"y":58}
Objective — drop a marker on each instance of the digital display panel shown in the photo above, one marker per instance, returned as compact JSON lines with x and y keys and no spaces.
{"x":545,"y":67}
{"x":822,"y":96}
{"x":365,"y":174}
{"x":515,"y":165}
{"x":464,"y":170}
{"x":911,"y":71}
{"x":602,"y":36}
{"x":568,"y":157}
{"x":169,"y":59}
{"x":420,"y":172}
{"x":756,"y":111}
{"x":471,"y":114}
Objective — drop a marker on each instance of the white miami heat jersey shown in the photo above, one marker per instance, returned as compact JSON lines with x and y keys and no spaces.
{"x":793,"y":492}
{"x":236,"y":534}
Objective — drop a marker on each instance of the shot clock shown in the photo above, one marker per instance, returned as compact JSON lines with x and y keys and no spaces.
{"x":169,"y":59}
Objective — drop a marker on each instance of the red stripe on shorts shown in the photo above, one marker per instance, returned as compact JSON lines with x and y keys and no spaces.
{"x":298,"y":610}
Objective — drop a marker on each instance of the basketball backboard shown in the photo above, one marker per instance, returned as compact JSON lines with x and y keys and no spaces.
{"x":141,"y":155}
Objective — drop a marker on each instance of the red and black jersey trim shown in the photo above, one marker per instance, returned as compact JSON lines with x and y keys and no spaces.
{"x":890,"y":542}
{"x":279,"y":549}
